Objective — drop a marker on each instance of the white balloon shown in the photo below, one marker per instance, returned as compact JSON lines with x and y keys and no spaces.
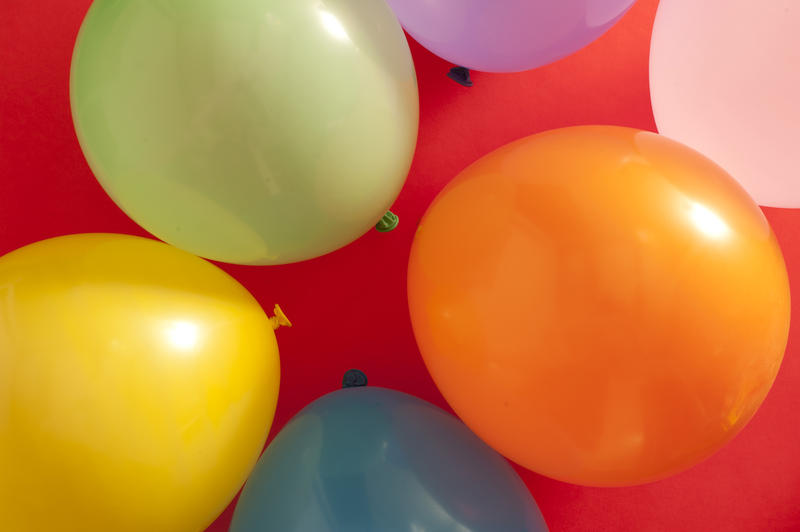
{"x":725,"y":80}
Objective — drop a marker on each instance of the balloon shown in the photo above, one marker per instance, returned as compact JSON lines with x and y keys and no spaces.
{"x":247,"y":131}
{"x":371,"y":459}
{"x":602,"y":305}
{"x":508,"y":35}
{"x":137,"y":386}
{"x":724,"y":79}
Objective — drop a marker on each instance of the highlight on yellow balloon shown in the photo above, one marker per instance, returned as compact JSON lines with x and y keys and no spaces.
{"x":137,"y":386}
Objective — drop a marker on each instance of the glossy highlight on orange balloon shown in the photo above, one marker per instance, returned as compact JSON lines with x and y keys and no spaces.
{"x":602,"y":305}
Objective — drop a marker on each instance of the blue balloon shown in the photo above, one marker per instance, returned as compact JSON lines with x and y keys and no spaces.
{"x":375,"y":460}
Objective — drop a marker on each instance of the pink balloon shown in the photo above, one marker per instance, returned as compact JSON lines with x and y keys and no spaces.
{"x":506,"y":35}
{"x":725,"y":79}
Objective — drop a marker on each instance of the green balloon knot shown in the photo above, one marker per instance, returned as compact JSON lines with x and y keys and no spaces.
{"x":388,"y":222}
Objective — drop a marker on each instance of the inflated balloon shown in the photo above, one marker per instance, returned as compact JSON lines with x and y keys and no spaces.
{"x":137,"y":386}
{"x":247,"y":131}
{"x":602,"y":305}
{"x":372,"y":459}
{"x":508,"y":35}
{"x":724,"y":79}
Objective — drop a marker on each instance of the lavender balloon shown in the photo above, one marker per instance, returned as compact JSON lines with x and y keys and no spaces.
{"x":507,"y":35}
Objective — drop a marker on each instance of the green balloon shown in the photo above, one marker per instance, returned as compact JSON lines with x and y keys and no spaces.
{"x":247,"y":131}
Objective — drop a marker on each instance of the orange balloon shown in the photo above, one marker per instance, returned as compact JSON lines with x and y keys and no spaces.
{"x":602,"y":305}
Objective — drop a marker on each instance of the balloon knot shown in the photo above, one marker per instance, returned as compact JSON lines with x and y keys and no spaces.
{"x":354,"y":378}
{"x":279,"y":319}
{"x":460,"y":75}
{"x":388,"y":222}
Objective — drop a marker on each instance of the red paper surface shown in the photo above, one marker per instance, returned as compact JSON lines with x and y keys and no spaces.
{"x":349,"y":308}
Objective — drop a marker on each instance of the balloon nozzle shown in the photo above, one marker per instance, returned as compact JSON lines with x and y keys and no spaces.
{"x":389,"y":222}
{"x":460,"y":75}
{"x":354,"y":378}
{"x":279,"y":319}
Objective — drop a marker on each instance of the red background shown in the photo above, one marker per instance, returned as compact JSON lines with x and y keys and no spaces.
{"x":349,"y":308}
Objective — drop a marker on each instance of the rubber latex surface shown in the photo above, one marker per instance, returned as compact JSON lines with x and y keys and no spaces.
{"x":137,"y":386}
{"x":602,"y":305}
{"x":371,"y":459}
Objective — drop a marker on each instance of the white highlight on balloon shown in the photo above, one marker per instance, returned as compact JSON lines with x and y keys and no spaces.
{"x":333,"y":26}
{"x":183,"y":335}
{"x":707,"y":221}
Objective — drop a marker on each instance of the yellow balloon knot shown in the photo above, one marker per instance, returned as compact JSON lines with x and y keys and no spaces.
{"x":279,"y":319}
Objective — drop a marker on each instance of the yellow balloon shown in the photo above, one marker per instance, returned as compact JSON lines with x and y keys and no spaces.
{"x":137,"y":386}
